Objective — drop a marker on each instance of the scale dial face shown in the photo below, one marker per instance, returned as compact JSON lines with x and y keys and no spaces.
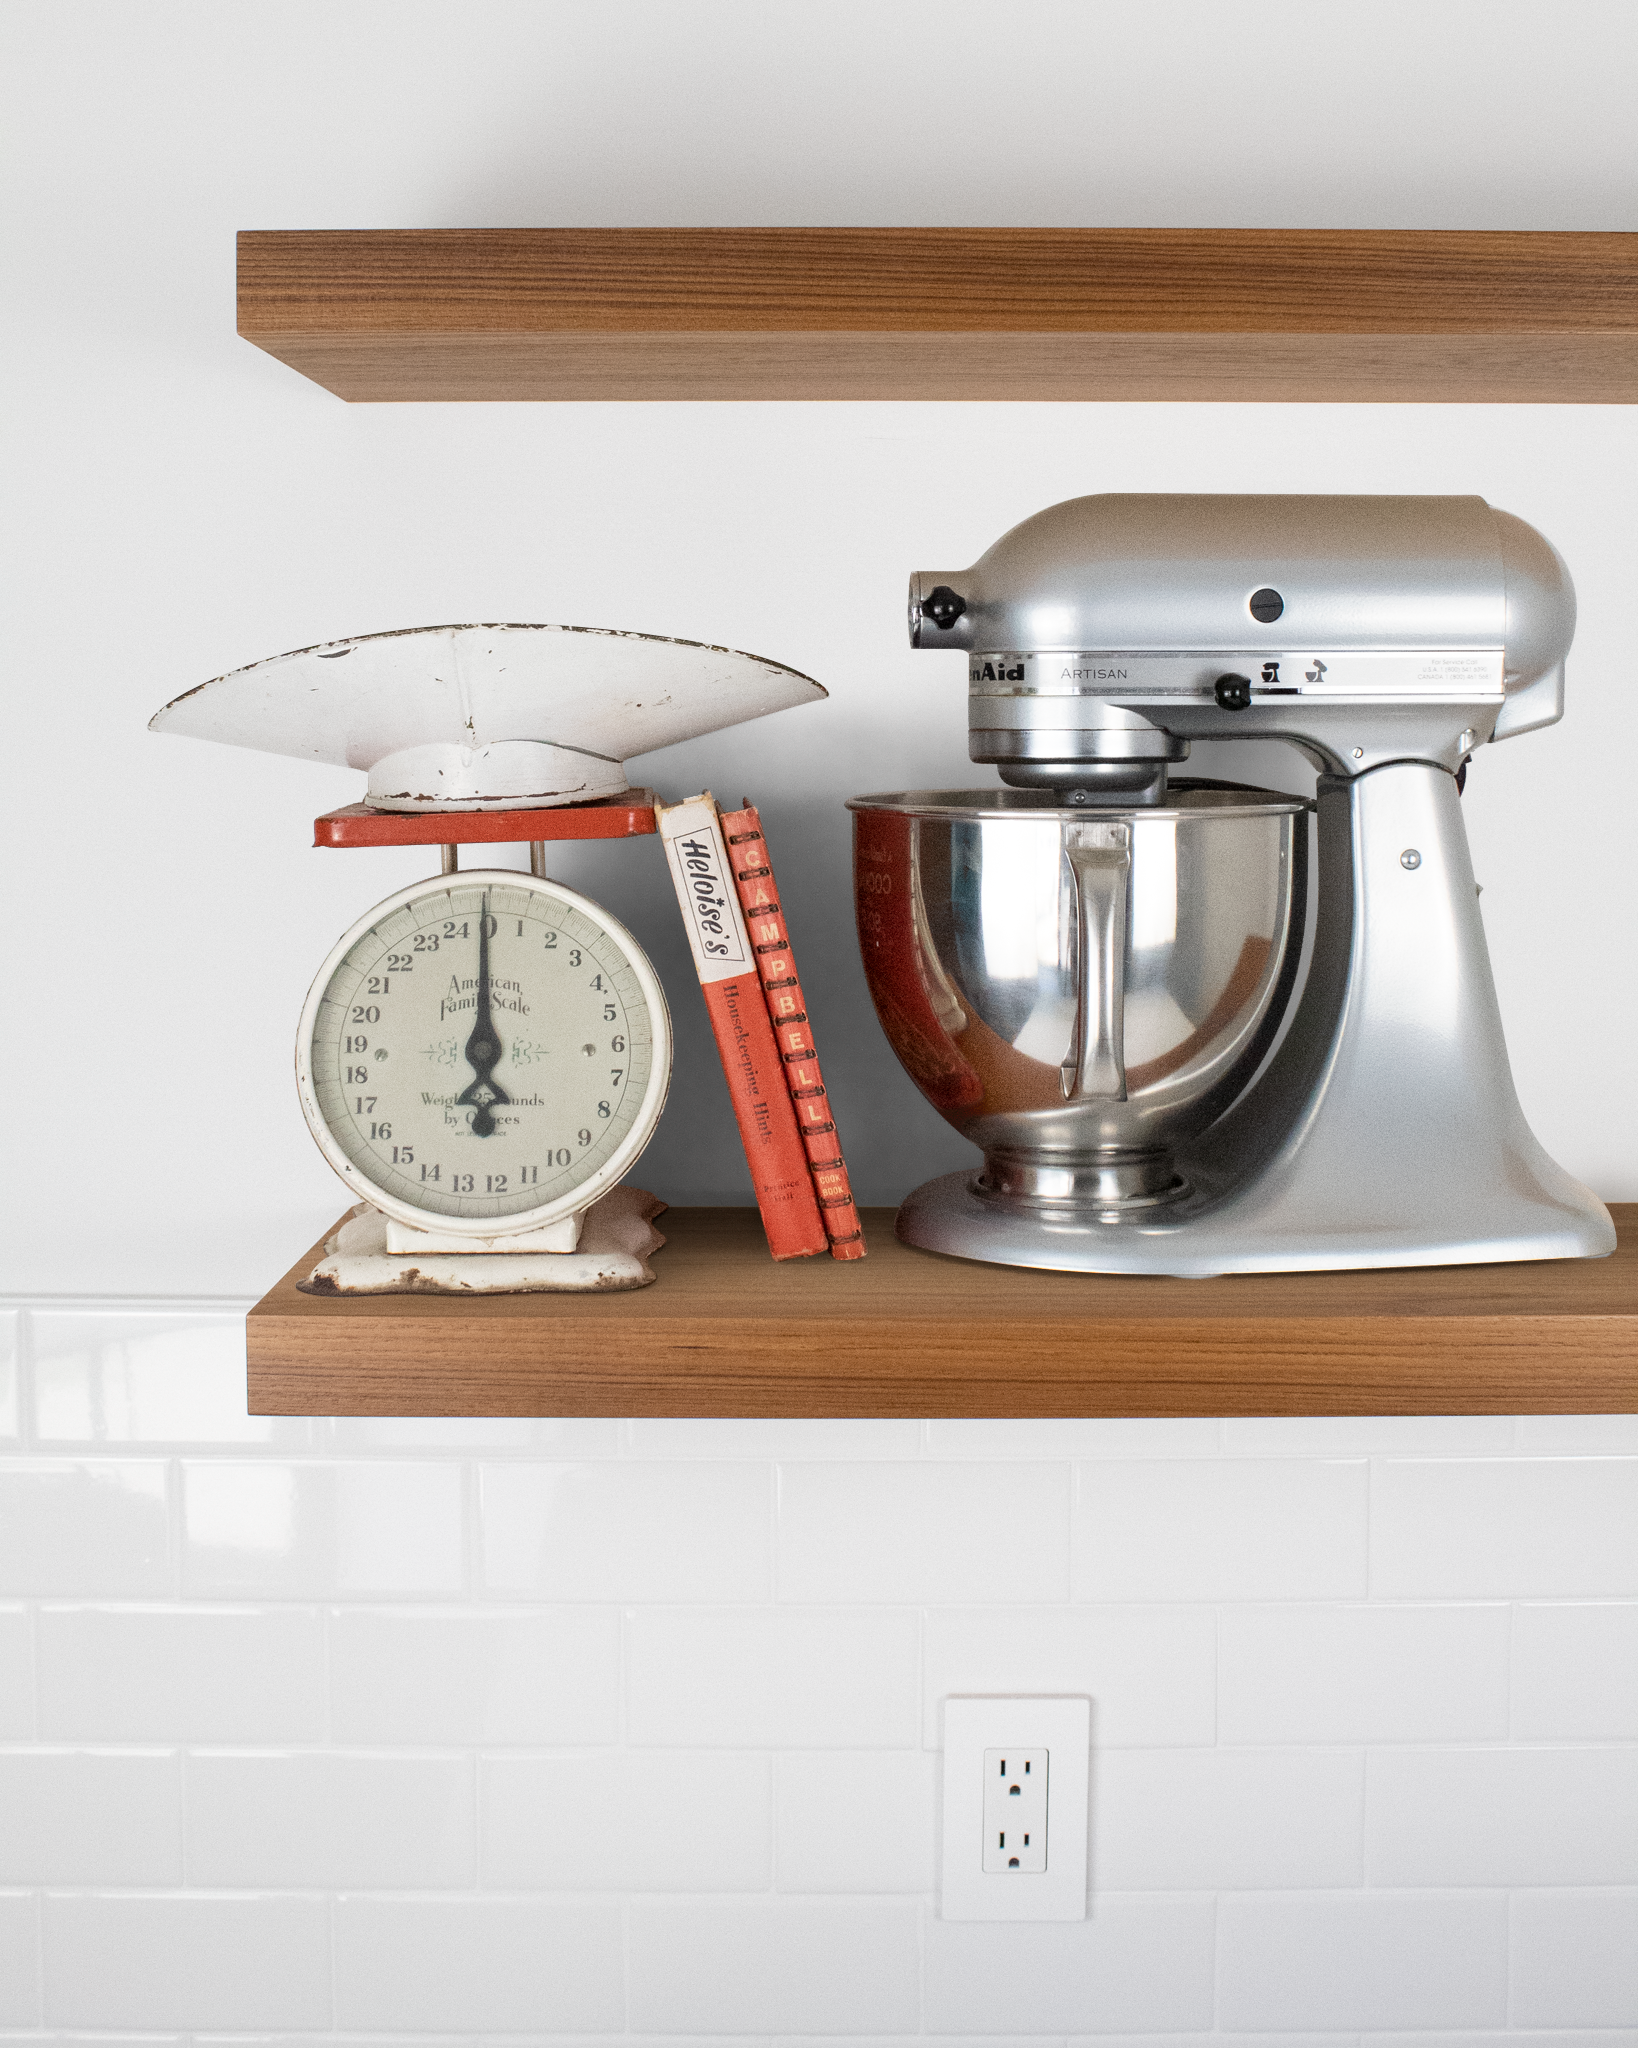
{"x":484,"y":1053}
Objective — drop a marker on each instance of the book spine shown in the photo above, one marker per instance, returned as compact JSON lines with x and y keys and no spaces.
{"x":734,"y":1002}
{"x":753,"y":875}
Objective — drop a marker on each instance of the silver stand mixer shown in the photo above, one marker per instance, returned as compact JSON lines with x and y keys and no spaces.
{"x":1115,"y":983}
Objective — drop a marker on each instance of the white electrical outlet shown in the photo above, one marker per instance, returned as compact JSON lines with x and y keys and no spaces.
{"x":1015,"y":1808}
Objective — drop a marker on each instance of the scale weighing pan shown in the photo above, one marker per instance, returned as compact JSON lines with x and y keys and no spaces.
{"x":496,"y":717}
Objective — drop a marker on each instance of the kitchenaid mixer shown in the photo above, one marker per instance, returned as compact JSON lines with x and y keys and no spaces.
{"x":1098,"y":974}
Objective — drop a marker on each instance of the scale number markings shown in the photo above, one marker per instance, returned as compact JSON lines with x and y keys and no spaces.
{"x":483,"y":1050}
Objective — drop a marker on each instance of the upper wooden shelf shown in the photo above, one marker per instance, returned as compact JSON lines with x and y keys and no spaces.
{"x":949,"y":313}
{"x":725,"y":1331}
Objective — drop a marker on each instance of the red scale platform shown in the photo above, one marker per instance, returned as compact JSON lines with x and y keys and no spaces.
{"x":628,"y":817}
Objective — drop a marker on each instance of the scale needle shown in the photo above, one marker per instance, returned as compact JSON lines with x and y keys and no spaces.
{"x":483,"y":1048}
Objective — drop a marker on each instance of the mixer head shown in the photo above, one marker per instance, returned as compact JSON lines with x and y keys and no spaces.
{"x":1106,"y":633}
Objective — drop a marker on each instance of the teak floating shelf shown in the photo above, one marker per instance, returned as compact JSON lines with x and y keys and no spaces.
{"x":725,"y":1331}
{"x":952,"y":313}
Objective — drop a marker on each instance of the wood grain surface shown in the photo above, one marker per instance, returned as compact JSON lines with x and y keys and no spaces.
{"x":947,"y":313}
{"x":724,"y":1331}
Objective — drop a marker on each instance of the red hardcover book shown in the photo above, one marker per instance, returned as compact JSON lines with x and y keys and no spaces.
{"x":788,"y":1009}
{"x":738,"y":1010}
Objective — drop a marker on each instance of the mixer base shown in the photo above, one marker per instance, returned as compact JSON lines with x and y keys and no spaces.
{"x":1197,"y":1238}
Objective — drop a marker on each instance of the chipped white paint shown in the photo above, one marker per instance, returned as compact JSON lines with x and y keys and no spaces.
{"x":498,"y":717}
{"x":617,"y":1237}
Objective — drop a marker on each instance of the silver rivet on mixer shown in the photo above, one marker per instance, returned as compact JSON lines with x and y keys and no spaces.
{"x":1410,"y":858}
{"x":1359,"y":753}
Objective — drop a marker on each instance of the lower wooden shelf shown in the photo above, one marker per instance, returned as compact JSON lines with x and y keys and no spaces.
{"x":724,"y":1331}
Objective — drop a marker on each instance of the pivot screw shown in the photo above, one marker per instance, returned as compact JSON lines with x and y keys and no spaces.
{"x":1266,"y":606}
{"x":1410,"y":858}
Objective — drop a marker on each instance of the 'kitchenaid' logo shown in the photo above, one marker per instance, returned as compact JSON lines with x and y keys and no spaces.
{"x":996,"y":672}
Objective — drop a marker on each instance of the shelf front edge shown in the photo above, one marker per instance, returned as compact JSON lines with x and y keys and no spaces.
{"x":1597,"y":367}
{"x":837,"y":1366}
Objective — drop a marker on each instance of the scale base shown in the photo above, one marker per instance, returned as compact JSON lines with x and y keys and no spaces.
{"x":617,"y":1239}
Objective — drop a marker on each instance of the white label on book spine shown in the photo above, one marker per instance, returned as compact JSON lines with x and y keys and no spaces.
{"x":705,"y":888}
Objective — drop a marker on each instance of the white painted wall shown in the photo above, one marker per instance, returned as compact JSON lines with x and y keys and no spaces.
{"x":182,"y":503}
{"x":295,"y":1718}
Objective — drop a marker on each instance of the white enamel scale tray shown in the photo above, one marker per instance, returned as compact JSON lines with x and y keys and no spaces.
{"x":498,"y":717}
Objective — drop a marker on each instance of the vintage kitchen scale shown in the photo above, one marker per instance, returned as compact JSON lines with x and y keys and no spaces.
{"x":484,"y":1055}
{"x":1099,"y":974}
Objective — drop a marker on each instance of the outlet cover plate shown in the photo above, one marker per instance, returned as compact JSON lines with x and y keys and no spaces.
{"x":973,"y":1725}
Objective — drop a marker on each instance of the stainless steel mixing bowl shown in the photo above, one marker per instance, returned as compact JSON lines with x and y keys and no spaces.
{"x":1080,"y":990}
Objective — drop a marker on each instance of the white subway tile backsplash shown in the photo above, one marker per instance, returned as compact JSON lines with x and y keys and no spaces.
{"x":464,"y":1676}
{"x":10,"y":1331}
{"x":89,"y":1817}
{"x":767,"y":1438}
{"x":775,"y":1965}
{"x":1362,"y":1674}
{"x":329,"y":1821}
{"x":1602,"y":1435}
{"x":1504,"y":1528}
{"x":189,"y":1675}
{"x":927,"y":2041}
{"x":815,"y":1679}
{"x":1359,"y":1436}
{"x":1220,"y":2040}
{"x":455,"y":1436}
{"x":634,"y":1820}
{"x":1211,"y":1820}
{"x":19,"y":1960}
{"x":1575,"y":1959}
{"x":626,"y":1531}
{"x":1451,"y":1817}
{"x":428,"y":1820}
{"x":97,"y":1526}
{"x":1228,"y":1529}
{"x":1511,"y":2037}
{"x":1089,"y":1436}
{"x":1137,"y":1965}
{"x":138,"y":1961}
{"x":313,"y":1531}
{"x":123,"y":1377}
{"x":1150,"y":1671}
{"x":1369,"y":1960}
{"x":16,"y":1674}
{"x":518,"y":1966}
{"x":1575,"y":1672}
{"x":855,"y":1821}
{"x":928,"y":1532}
